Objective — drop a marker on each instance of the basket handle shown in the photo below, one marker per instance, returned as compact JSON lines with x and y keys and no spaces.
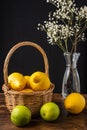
{"x":14,"y":48}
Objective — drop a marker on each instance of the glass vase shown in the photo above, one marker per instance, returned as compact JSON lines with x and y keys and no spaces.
{"x":71,"y":80}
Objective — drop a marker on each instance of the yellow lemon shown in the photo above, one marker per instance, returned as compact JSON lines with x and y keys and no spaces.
{"x":27,"y":90}
{"x":75,"y":103}
{"x":16,"y":81}
{"x":39,"y":81}
{"x":27,"y":78}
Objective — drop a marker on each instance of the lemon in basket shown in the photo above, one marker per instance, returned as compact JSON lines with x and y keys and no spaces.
{"x":39,"y":81}
{"x":27,"y":90}
{"x":27,"y":78}
{"x":74,"y":103}
{"x":16,"y":81}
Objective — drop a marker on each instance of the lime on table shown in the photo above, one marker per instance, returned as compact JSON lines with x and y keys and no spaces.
{"x":21,"y":115}
{"x":50,"y":111}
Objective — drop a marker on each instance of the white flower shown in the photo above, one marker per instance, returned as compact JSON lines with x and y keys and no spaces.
{"x":83,"y":12}
{"x":67,"y":23}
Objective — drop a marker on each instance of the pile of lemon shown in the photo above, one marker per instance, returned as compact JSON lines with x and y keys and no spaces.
{"x":38,"y":81}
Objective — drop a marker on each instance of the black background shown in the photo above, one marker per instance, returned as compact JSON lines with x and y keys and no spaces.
{"x":18,"y":22}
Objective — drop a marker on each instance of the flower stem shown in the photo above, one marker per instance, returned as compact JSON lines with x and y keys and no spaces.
{"x":60,"y":45}
{"x":66,"y":45}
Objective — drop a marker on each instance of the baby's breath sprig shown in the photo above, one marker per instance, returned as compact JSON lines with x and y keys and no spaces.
{"x":66,"y":24}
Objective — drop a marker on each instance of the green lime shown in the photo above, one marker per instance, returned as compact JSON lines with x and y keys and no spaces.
{"x":21,"y":115}
{"x":50,"y":111}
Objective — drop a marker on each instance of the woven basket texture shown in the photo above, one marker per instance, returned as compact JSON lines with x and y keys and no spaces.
{"x":33,"y":100}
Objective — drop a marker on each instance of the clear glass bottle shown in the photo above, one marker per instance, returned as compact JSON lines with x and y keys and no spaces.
{"x":71,"y":80}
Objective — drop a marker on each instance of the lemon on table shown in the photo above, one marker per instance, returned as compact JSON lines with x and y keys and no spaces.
{"x":20,"y":115}
{"x":39,"y":81}
{"x":16,"y":81}
{"x":27,"y":78}
{"x":75,"y":103}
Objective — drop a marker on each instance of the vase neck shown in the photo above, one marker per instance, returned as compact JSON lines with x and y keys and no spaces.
{"x":71,"y":59}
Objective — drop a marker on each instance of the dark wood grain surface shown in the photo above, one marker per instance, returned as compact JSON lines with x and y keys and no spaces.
{"x":65,"y":121}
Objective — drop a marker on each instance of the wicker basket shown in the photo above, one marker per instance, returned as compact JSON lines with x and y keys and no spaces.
{"x":33,"y":100}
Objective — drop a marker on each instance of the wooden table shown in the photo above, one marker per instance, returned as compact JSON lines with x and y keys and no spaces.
{"x":65,"y":121}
